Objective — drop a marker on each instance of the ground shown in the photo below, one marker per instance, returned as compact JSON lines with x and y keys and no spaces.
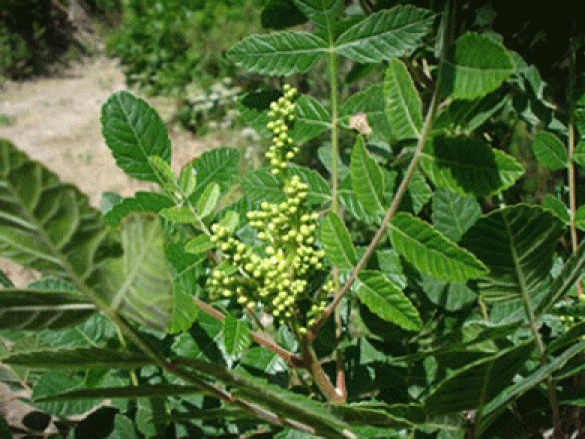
{"x":56,"y":121}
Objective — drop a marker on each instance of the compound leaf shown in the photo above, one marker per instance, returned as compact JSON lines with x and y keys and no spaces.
{"x":134,"y":131}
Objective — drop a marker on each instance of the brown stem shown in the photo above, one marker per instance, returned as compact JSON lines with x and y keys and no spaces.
{"x":290,"y":358}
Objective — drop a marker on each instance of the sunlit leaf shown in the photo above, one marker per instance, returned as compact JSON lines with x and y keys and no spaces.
{"x":366,"y":178}
{"x":337,"y":243}
{"x":236,"y":335}
{"x":385,"y":35}
{"x":134,"y":131}
{"x":280,"y":53}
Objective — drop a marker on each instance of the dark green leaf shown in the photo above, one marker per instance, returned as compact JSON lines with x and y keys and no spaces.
{"x":321,"y":12}
{"x":468,"y":166}
{"x":494,"y":407}
{"x":312,"y":119}
{"x":475,"y":66}
{"x":431,"y":252}
{"x":57,"y":382}
{"x":454,"y":214}
{"x":371,"y":103}
{"x":281,"y":14}
{"x":386,"y":300}
{"x":134,"y":131}
{"x":517,"y":245}
{"x":81,"y":358}
{"x":219,"y":165}
{"x":472,"y":386}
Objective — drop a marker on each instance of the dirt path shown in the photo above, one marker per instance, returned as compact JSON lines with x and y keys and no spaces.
{"x":56,"y":121}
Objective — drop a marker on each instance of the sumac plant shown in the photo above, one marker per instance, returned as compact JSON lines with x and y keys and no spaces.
{"x":407,"y":284}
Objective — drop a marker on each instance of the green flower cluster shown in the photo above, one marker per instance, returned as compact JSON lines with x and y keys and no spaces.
{"x":279,"y":280}
{"x":281,"y":114}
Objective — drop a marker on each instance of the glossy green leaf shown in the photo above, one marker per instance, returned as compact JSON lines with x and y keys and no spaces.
{"x":403,"y":104}
{"x":579,"y":153}
{"x":475,"y":66}
{"x":549,"y":151}
{"x":494,"y":407}
{"x":454,"y":214}
{"x":138,"y":285}
{"x":187,"y":180}
{"x":385,"y":35}
{"x":337,"y":243}
{"x":52,"y":304}
{"x":449,"y":296}
{"x":280,"y":53}
{"x":208,"y":200}
{"x":140,"y":202}
{"x":236,"y":335}
{"x":350,"y":201}
{"x":430,"y":252}
{"x":366,"y":178}
{"x":311,"y":119}
{"x":46,"y":225}
{"x":199,"y":244}
{"x":134,"y":131}
{"x":219,"y":165}
{"x":80,"y":358}
{"x":472,"y":386}
{"x":385,"y":299}
{"x":468,"y":166}
{"x":321,"y":12}
{"x":517,"y":245}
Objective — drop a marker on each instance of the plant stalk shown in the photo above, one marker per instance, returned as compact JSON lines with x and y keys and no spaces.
{"x":402,"y":188}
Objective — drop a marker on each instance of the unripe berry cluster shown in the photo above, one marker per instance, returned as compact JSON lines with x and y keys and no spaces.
{"x":281,"y":114}
{"x":279,"y":279}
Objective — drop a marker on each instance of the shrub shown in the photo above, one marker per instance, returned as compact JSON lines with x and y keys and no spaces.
{"x":460,"y":315}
